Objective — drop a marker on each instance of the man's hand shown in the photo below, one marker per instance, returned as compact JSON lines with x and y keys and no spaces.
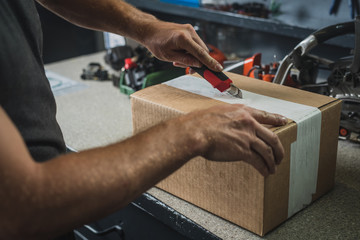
{"x":234,"y":132}
{"x":178,"y":43}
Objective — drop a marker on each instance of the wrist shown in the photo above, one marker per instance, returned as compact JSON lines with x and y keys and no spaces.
{"x":195,"y":140}
{"x":145,"y":30}
{"x":130,"y":21}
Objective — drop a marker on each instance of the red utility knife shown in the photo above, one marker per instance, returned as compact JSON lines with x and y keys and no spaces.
{"x":219,"y":81}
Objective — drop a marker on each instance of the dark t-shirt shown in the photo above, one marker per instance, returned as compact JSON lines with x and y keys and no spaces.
{"x":25,"y":92}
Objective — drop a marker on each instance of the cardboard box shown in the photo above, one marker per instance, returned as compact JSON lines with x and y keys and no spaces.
{"x":235,"y":191}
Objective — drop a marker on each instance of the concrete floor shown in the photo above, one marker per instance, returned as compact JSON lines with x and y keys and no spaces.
{"x":98,"y":115}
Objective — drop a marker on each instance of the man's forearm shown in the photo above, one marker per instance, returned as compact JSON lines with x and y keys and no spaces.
{"x":114,"y":16}
{"x":106,"y":179}
{"x":73,"y":189}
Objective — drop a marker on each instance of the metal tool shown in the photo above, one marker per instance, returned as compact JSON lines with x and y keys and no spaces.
{"x":296,"y":56}
{"x":95,"y":71}
{"x":344,"y":79}
{"x":219,"y":81}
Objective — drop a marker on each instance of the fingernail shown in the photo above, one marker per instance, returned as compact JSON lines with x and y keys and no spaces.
{"x":284,"y":120}
{"x":219,"y":67}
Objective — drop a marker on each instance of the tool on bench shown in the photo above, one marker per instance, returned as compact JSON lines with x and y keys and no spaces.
{"x":95,"y":71}
{"x":219,"y":81}
{"x":343,"y":81}
{"x":143,"y":70}
{"x":252,"y":67}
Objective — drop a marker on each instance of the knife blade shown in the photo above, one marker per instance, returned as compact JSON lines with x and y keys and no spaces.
{"x":219,"y":81}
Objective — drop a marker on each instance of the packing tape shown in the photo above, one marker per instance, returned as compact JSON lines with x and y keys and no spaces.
{"x":304,"y":154}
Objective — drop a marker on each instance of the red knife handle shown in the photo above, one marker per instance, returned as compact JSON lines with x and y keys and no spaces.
{"x":217,"y":79}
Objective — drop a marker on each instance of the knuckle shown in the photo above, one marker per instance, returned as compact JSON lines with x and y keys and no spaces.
{"x":274,"y":139}
{"x":189,"y":27}
{"x":201,"y":51}
{"x":250,"y":111}
{"x":182,"y":36}
{"x":277,"y":118}
{"x":265,"y":114}
{"x":248,"y":121}
{"x":269,"y":151}
{"x":252,"y":140}
{"x":239,"y":105}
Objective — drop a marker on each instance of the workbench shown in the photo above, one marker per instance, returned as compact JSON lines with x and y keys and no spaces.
{"x":97,"y":114}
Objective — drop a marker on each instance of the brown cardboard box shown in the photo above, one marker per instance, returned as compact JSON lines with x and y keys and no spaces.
{"x":235,"y":191}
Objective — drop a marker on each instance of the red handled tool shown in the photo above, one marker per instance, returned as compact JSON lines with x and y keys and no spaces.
{"x":219,"y":81}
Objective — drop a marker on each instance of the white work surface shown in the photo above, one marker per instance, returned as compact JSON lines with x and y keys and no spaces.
{"x":97,"y":114}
